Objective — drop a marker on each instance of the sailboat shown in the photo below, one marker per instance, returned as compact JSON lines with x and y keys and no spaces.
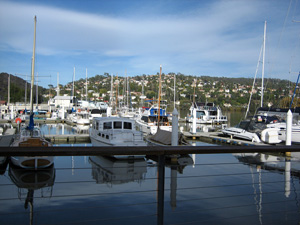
{"x":155,"y":117}
{"x":256,"y":129}
{"x":31,"y":136}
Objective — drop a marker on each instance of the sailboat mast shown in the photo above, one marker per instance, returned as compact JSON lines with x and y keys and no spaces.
{"x":32,"y":68}
{"x":111,"y":90}
{"x":127,"y":101}
{"x":57,"y":83}
{"x":263,"y":66}
{"x":73,"y":92}
{"x":159,"y":93}
{"x":36,"y":90}
{"x":117,"y":86}
{"x":86,"y":94}
{"x":174,"y":89}
{"x":8,"y":90}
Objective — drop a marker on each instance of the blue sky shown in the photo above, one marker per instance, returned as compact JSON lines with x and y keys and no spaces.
{"x":193,"y":37}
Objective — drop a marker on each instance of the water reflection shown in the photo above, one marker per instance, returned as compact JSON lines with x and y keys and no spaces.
{"x":177,"y":162}
{"x":82,"y":129}
{"x":286,"y":165}
{"x":3,"y":164}
{"x":114,"y":171}
{"x":31,"y":184}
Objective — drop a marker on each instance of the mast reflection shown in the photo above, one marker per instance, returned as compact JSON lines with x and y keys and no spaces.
{"x":32,"y":183}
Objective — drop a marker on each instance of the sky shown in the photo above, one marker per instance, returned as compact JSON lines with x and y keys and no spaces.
{"x":133,"y":37}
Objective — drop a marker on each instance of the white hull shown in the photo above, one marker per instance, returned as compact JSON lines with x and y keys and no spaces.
{"x":115,"y":131}
{"x":31,"y":138}
{"x":282,"y":131}
{"x":268,"y":135}
{"x":151,"y":128}
{"x":36,"y":162}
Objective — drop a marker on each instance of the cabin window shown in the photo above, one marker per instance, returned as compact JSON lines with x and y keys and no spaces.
{"x":117,"y":125}
{"x":97,"y":126}
{"x":127,"y":125}
{"x":107,"y":137}
{"x":107,"y":125}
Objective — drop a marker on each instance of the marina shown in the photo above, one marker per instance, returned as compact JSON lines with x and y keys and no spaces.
{"x":205,"y":181}
{"x":93,"y":130}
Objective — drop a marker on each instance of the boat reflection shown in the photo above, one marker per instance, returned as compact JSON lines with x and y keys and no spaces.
{"x":32,"y":183}
{"x":82,"y":129}
{"x":175,"y":162}
{"x":3,"y":164}
{"x":112,"y":171}
{"x":290,"y":166}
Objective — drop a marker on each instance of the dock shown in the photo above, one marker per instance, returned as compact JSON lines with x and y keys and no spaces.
{"x":68,"y":138}
{"x":216,"y":137}
{"x":7,"y":137}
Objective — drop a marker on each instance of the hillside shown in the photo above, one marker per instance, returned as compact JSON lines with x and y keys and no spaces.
{"x":17,"y":86}
{"x":224,"y":91}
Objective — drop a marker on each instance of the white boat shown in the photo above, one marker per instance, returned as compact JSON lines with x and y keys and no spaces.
{"x":295,"y":138}
{"x":30,"y":136}
{"x":115,"y":131}
{"x":127,"y":113}
{"x":255,"y":129}
{"x":95,"y":113}
{"x":147,"y":121}
{"x":206,"y":113}
{"x":156,"y":116}
{"x":83,"y":118}
{"x":281,"y":124}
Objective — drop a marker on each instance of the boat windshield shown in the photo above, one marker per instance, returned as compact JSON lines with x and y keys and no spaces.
{"x":243,"y":124}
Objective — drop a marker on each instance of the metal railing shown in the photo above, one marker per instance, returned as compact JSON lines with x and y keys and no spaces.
{"x":159,"y":151}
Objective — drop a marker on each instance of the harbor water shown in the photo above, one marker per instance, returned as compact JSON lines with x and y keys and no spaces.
{"x":199,"y":189}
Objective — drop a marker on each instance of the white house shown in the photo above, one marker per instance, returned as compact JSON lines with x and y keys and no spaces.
{"x":63,"y":101}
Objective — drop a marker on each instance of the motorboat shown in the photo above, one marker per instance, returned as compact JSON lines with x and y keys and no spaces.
{"x":95,"y":113}
{"x":115,"y":131}
{"x":83,"y":118}
{"x":205,"y":113}
{"x":281,"y":124}
{"x":255,"y":129}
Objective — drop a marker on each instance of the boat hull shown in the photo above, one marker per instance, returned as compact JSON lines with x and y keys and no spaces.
{"x":35,"y":162}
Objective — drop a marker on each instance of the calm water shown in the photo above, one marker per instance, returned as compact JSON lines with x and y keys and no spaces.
{"x":199,"y":189}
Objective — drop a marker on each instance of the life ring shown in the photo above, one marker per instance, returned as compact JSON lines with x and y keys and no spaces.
{"x":18,"y":120}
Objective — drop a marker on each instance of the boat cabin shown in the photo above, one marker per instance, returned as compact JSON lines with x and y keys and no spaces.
{"x":113,"y":124}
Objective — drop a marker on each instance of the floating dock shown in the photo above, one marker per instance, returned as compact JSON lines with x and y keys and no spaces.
{"x":68,"y":138}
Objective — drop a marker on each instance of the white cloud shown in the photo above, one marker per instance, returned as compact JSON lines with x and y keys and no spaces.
{"x":224,"y":32}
